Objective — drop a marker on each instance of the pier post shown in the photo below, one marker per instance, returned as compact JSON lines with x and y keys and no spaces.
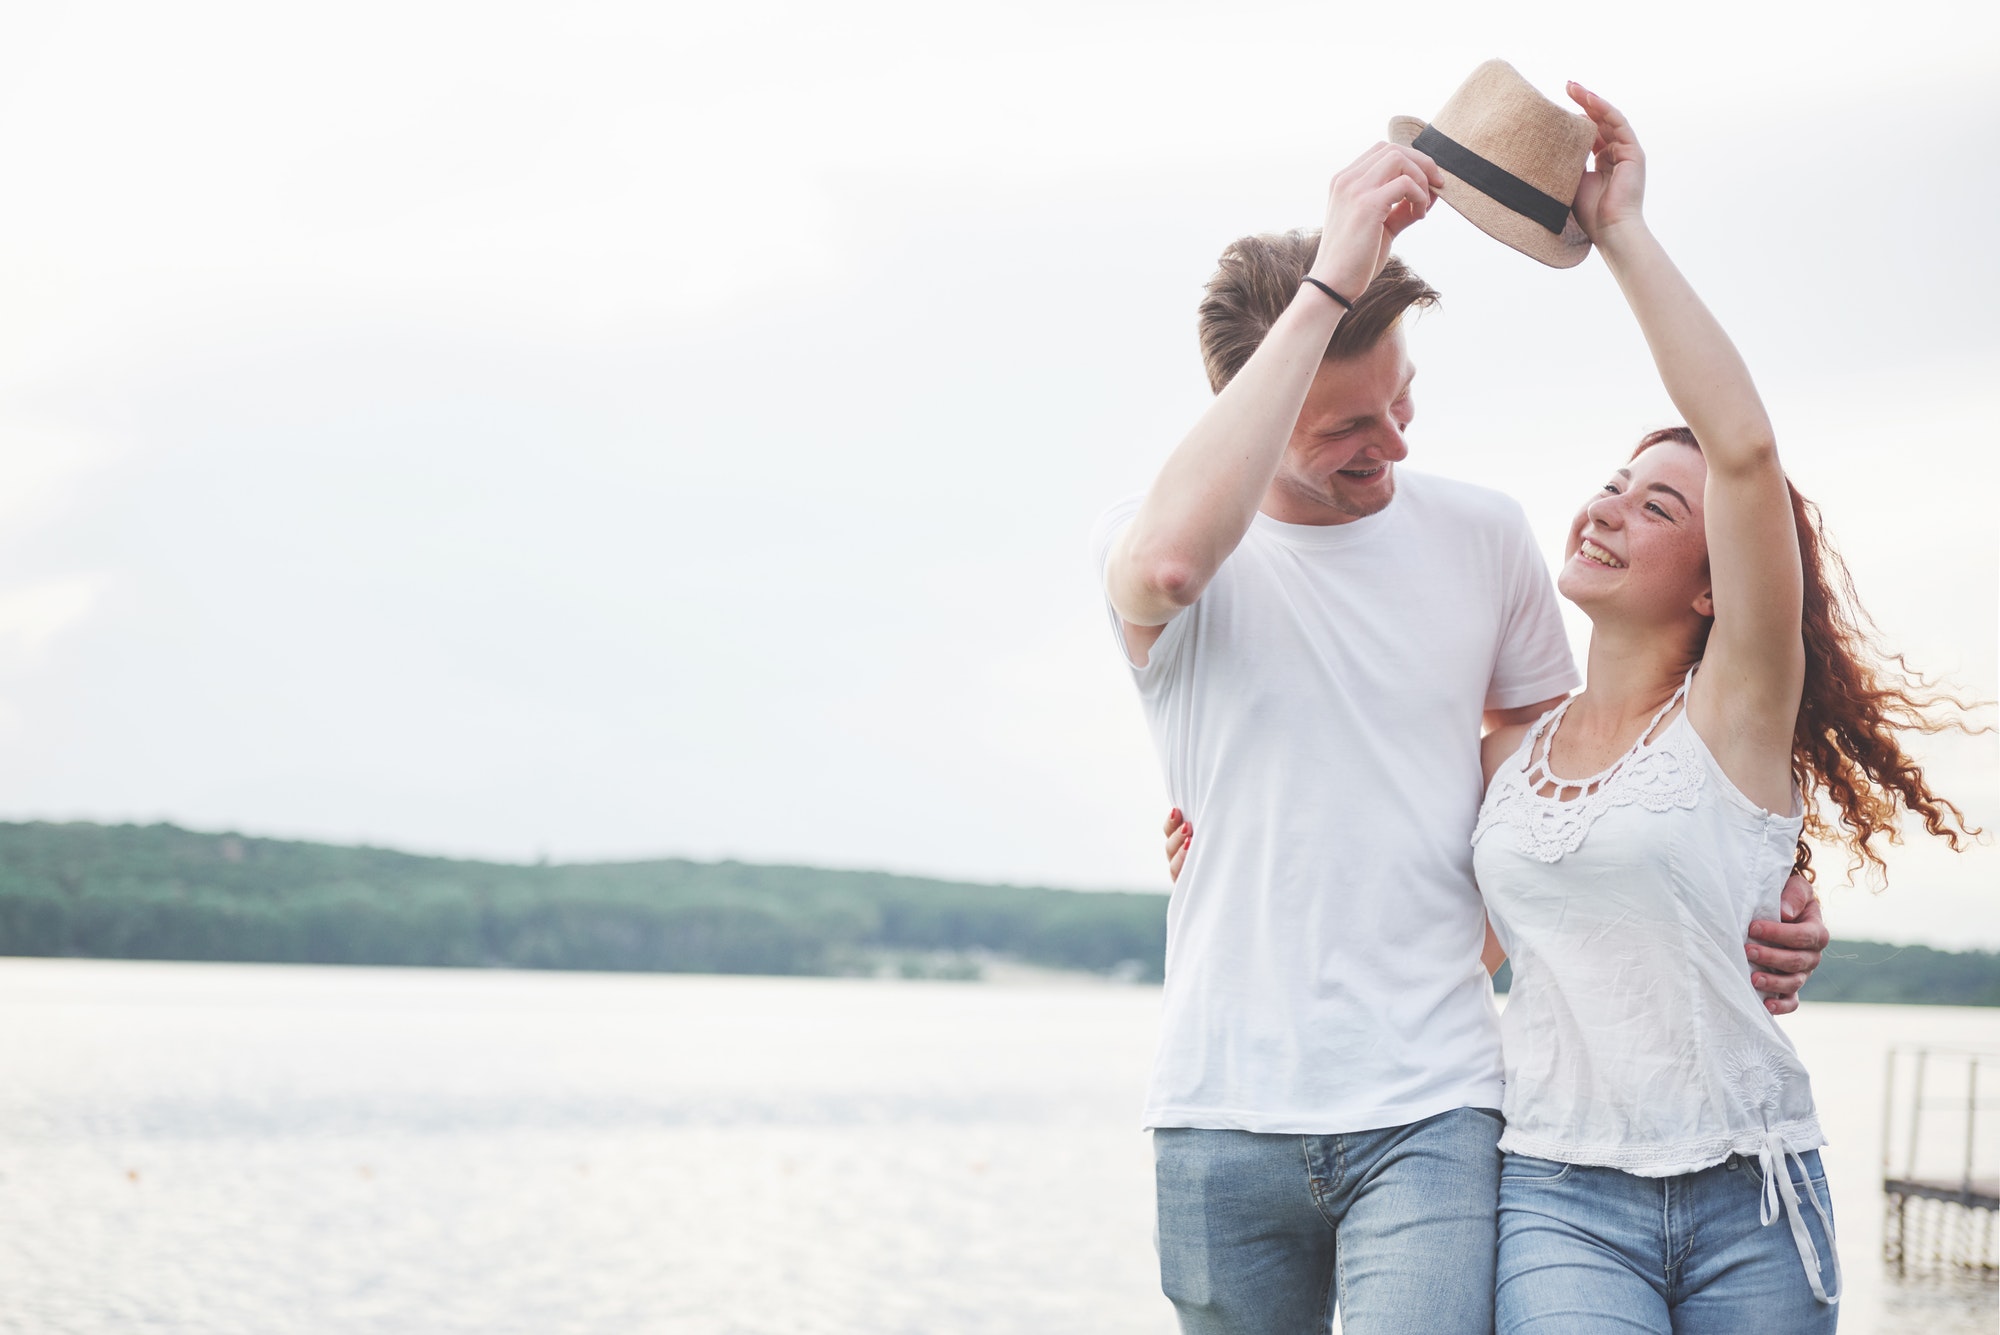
{"x":1888,"y":1109}
{"x":1971,"y":1113}
{"x":1916,"y":1113}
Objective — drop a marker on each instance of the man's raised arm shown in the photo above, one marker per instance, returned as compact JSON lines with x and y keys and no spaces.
{"x":1202,"y":503}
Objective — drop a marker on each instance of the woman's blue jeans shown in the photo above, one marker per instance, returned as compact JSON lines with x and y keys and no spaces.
{"x":1264,"y":1234}
{"x":1600,"y":1251}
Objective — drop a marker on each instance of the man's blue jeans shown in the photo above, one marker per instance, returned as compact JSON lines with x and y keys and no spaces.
{"x":1264,"y":1234}
{"x":1590,"y":1250}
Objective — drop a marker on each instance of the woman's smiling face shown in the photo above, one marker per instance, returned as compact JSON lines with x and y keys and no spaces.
{"x":1637,"y":550}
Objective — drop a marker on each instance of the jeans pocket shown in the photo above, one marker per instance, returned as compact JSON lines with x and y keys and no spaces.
{"x":1814,"y":1175}
{"x":1522,"y":1168}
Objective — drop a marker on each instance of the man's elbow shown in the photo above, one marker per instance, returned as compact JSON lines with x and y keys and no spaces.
{"x":1154,"y":584}
{"x":1173,"y":581}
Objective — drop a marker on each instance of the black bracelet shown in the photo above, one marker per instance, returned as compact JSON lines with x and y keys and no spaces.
{"x":1345,"y":304}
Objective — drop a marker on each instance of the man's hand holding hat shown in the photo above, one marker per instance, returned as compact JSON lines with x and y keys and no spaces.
{"x":1367,"y":207}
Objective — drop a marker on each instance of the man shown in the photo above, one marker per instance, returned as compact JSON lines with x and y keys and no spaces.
{"x":1317,"y":640}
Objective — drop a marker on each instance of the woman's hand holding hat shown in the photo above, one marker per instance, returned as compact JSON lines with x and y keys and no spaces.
{"x":1610,"y":195}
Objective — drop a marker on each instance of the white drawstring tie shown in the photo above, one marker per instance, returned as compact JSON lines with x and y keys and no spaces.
{"x":1772,"y":1158}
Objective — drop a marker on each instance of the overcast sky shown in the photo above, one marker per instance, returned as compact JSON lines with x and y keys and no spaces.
{"x":618,"y":430}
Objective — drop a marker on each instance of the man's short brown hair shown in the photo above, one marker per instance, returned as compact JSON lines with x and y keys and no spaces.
{"x":1257,"y":278}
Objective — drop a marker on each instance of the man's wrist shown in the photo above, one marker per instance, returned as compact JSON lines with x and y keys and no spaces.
{"x":1344,"y":284}
{"x":1314,"y":309}
{"x":1331,"y":293}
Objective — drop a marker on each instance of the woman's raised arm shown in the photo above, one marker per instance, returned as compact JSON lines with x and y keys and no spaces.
{"x":1755,"y":659}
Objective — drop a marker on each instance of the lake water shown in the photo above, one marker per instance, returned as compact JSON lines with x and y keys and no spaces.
{"x":230,"y":1148}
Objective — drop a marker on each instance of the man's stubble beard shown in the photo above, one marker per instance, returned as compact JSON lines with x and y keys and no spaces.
{"x":1373,"y":505}
{"x":1332,"y":497}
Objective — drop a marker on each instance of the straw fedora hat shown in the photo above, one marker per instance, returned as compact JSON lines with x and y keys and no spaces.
{"x":1511,"y":161}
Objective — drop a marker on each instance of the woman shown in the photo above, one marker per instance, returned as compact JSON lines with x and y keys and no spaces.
{"x":1657,"y":1119}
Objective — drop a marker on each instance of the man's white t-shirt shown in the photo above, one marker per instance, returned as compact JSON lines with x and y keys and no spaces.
{"x":1317,"y":714}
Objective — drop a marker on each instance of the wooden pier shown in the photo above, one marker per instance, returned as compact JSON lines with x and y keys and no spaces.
{"x":1942,"y":1198}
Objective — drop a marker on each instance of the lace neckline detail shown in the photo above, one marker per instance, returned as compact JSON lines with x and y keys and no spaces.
{"x":1661,"y":772}
{"x":1542,"y":745}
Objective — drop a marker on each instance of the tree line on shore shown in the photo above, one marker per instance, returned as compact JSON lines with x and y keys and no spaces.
{"x":161,"y":892}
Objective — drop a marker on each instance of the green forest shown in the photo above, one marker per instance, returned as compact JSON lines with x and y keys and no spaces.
{"x":160,"y":892}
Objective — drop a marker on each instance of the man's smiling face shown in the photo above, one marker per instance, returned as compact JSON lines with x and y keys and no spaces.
{"x":1340,"y":462}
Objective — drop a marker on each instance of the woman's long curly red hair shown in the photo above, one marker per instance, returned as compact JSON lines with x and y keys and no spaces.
{"x":1846,"y":753}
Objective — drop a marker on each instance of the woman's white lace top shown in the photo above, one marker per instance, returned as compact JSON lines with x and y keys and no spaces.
{"x":1633,"y":1036}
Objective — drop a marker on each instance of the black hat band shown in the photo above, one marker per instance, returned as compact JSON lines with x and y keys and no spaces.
{"x":1491,"y":180}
